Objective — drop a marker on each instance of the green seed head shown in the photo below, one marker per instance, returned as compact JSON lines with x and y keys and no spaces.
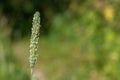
{"x":34,"y":40}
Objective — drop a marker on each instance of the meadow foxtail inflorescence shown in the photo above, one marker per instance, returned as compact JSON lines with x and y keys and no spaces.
{"x":34,"y":40}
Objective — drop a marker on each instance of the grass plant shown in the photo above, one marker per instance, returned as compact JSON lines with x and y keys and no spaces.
{"x":34,"y":41}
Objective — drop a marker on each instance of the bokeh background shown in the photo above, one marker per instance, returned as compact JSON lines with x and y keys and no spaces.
{"x":79,"y":40}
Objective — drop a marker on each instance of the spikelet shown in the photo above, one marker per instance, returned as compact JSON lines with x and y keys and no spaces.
{"x":34,"y":40}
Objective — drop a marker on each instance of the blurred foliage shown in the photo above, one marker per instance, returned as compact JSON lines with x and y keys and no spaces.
{"x":79,"y":39}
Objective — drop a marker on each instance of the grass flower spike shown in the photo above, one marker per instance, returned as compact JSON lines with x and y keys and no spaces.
{"x":34,"y":40}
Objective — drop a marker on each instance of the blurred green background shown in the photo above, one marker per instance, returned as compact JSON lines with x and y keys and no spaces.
{"x":79,"y":40}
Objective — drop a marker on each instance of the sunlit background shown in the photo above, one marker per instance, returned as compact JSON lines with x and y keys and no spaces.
{"x":79,"y":40}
